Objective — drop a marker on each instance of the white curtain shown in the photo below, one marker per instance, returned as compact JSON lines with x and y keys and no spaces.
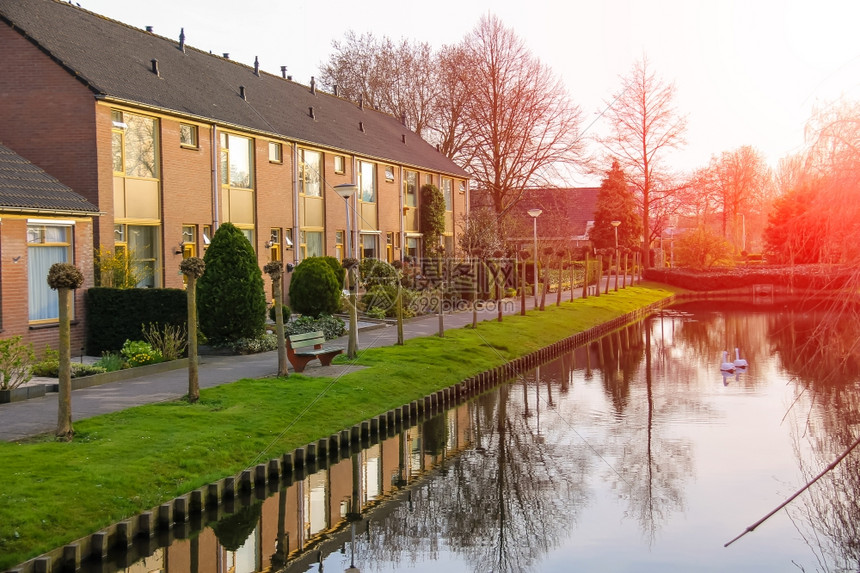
{"x":44,"y":301}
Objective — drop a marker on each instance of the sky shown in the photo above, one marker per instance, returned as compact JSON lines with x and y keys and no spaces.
{"x":746,"y":72}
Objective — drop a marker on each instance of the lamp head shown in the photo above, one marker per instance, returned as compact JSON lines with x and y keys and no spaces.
{"x":615,"y":223}
{"x":535,"y":212}
{"x":346,"y":190}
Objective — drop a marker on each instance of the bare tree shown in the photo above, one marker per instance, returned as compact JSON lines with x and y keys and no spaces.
{"x":396,"y":78}
{"x":522,"y":128}
{"x":645,"y":125}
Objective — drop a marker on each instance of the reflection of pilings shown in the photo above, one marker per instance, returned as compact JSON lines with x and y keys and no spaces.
{"x":172,"y":518}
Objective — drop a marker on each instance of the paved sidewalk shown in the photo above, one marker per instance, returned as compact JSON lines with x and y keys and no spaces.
{"x":20,"y":420}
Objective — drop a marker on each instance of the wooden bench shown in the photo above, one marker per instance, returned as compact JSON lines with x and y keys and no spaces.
{"x":302,"y":348}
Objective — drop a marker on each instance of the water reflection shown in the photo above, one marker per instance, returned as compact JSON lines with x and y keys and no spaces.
{"x":632,"y":451}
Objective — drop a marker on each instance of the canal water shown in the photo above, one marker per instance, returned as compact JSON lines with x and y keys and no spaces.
{"x":634,"y":453}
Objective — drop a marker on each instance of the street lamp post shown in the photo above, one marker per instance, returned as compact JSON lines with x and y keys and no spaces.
{"x":535,"y":213}
{"x":347,"y":190}
{"x":617,"y":262}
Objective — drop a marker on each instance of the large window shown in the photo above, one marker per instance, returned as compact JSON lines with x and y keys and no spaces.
{"x":143,"y":251}
{"x":367,"y":181}
{"x":134,"y":145}
{"x":310,"y":165}
{"x":236,"y":161}
{"x":46,"y":244}
{"x":411,"y":189}
{"x":368,"y":246}
{"x":189,"y":241}
{"x":448,"y":193}
{"x":311,"y":244}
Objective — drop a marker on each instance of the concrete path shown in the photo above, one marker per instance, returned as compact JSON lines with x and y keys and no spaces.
{"x":20,"y":420}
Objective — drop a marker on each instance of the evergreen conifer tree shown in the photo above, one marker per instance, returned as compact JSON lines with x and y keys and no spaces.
{"x":615,"y":202}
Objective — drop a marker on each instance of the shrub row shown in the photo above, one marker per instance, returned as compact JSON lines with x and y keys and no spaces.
{"x":116,"y":315}
{"x":800,"y":276}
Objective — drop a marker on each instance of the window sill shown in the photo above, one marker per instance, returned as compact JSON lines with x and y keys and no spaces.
{"x":46,"y":325}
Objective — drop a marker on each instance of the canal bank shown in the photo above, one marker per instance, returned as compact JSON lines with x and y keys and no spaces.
{"x":135,"y":460}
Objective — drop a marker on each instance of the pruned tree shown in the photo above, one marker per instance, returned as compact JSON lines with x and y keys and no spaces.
{"x":615,"y":202}
{"x":193,"y":268}
{"x":644,"y":126}
{"x":522,"y":128}
{"x":65,"y":278}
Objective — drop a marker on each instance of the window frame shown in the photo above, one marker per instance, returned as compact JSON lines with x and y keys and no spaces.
{"x":371,"y":170}
{"x":195,"y":136}
{"x":278,"y":149}
{"x":342,"y":160}
{"x":67,"y":244}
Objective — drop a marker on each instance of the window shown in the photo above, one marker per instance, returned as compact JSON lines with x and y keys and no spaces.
{"x":236,"y":161}
{"x":368,"y":246}
{"x":134,"y":145}
{"x":143,"y":250}
{"x":448,"y":193}
{"x":310,"y":167}
{"x":389,"y":173}
{"x":276,"y":152}
{"x":288,"y":238}
{"x":338,"y":244}
{"x":46,"y":245}
{"x":189,"y":241}
{"x":188,"y":135}
{"x":310,"y":244}
{"x":389,"y":247}
{"x":411,"y":189}
{"x":207,"y":236}
{"x":412,"y":247}
{"x":367,"y":181}
{"x":462,"y":187}
{"x":339,"y":164}
{"x":275,"y":245}
{"x":249,"y":234}
{"x":428,"y":179}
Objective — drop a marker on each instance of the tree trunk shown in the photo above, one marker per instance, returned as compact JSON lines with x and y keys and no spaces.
{"x":279,"y":326}
{"x":523,"y":289}
{"x":560,"y":281}
{"x":624,"y":280}
{"x":599,"y":273}
{"x":64,"y":410}
{"x":193,"y":376}
{"x":585,"y":278}
{"x":352,"y":347}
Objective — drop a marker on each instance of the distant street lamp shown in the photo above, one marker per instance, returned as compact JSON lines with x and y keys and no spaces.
{"x":535,"y":213}
{"x":347,"y":190}
{"x":617,"y":262}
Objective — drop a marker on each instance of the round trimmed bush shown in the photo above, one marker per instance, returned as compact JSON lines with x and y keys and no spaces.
{"x":314,"y":289}
{"x":337,"y":267}
{"x":231,"y":302}
{"x":285,"y":312}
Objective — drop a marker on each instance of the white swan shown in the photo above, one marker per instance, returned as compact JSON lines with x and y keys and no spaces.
{"x":739,"y":362}
{"x":726,"y":366}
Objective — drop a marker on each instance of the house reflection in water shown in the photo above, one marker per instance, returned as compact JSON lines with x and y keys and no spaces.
{"x":283,"y":529}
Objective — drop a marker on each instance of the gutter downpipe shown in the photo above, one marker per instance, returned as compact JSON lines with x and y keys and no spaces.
{"x":296,"y":231}
{"x":216,"y":203}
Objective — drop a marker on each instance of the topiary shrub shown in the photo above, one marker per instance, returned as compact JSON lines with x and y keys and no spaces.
{"x":374,"y":272}
{"x":337,"y":267}
{"x":330,"y":326}
{"x":432,"y":219}
{"x":231,"y":302}
{"x":285,"y":312}
{"x":314,"y":289}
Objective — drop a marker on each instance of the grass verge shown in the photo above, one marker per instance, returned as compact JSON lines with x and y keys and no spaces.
{"x":130,"y":461}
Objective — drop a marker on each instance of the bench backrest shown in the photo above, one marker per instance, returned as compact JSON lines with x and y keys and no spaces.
{"x":307,"y":339}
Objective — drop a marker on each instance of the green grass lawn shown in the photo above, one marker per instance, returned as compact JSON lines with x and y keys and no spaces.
{"x":127,"y":462}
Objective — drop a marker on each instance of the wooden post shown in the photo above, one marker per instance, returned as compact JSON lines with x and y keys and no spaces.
{"x":64,"y":414}
{"x":192,"y":268}
{"x":399,"y":309}
{"x":608,"y":275}
{"x":599,"y":273}
{"x":585,"y":278}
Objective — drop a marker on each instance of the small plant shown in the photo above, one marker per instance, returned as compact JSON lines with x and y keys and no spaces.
{"x":140,"y":353}
{"x":263,"y":343}
{"x":331,"y":326}
{"x":169,"y":340}
{"x":110,"y":361}
{"x":377,"y":313}
{"x":15,"y":360}
{"x":285,"y":311}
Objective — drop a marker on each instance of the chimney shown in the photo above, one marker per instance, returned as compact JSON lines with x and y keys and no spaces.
{"x":154,"y":63}
{"x":403,"y":138}
{"x":182,"y":40}
{"x":226,"y":55}
{"x":360,"y":101}
{"x":313,"y":85}
{"x":149,"y":29}
{"x":242,"y":93}
{"x":335,"y":90}
{"x":361,"y":126}
{"x":284,"y":72}
{"x":256,"y":66}
{"x":290,"y":78}
{"x":311,"y":112}
{"x":402,"y":119}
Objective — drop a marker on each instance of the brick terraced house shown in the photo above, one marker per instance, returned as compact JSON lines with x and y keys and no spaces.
{"x":42,"y":222}
{"x":169,"y":141}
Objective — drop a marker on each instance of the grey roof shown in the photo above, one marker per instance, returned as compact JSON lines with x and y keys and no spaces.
{"x":114,"y":61}
{"x":25,"y":187}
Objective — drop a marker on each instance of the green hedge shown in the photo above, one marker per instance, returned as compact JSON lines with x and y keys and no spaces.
{"x":802,"y":277}
{"x":114,"y":315}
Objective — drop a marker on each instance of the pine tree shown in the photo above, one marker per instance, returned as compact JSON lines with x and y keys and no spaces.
{"x":615,"y":202}
{"x":231,"y":301}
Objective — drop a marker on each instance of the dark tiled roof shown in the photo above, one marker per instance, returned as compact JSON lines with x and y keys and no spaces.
{"x":566,"y":211}
{"x":114,"y":60}
{"x":25,"y":187}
